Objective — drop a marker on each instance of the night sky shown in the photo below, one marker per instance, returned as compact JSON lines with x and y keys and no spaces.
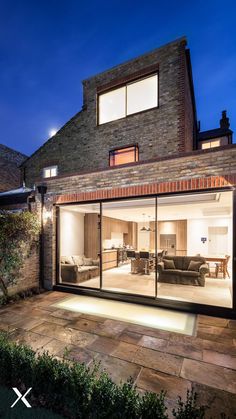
{"x":48,"y":47}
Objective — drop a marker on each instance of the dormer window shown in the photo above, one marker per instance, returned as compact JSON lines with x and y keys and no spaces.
{"x":133,"y":97}
{"x":50,"y":171}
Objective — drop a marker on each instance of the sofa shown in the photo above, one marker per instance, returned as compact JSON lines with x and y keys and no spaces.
{"x":78,"y":268}
{"x":185,"y":270}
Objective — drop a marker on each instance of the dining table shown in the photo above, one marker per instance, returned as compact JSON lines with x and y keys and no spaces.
{"x":218,"y":259}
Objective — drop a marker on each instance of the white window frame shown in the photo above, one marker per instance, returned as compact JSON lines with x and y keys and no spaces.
{"x":126,"y":89}
{"x":50,"y":169}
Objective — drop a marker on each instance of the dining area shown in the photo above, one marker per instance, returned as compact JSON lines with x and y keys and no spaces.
{"x":144,"y":262}
{"x":218,"y":266}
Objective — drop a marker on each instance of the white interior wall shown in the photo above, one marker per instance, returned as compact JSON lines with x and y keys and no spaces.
{"x":143,"y":238}
{"x":116,"y":240}
{"x":198,"y":228}
{"x":72,"y":233}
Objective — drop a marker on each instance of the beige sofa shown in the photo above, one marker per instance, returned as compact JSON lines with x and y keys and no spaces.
{"x":182,"y":272}
{"x":78,"y":268}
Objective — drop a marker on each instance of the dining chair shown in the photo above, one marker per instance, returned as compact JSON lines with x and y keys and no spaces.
{"x":220,"y":268}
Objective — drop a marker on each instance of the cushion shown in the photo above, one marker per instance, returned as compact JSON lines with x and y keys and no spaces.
{"x":96,"y":262}
{"x":67,"y":259}
{"x":88,"y":261}
{"x":83,"y":269}
{"x":169,"y":264}
{"x":78,"y":260}
{"x":194,"y":265}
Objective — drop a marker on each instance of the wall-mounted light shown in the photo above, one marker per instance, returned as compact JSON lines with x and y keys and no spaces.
{"x":47,"y":215}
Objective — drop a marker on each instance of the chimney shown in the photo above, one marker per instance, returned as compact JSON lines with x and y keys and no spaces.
{"x":224,"y":121}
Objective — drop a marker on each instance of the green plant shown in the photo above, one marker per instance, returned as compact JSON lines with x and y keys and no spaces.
{"x":77,"y":392}
{"x":189,"y":409}
{"x":18,"y":233}
{"x":153,"y":406}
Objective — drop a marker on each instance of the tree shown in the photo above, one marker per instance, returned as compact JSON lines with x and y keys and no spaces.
{"x":18,"y":233}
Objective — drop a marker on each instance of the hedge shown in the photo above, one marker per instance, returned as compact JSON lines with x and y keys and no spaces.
{"x":74,"y":391}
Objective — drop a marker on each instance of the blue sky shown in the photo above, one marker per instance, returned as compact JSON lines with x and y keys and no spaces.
{"x":48,"y":47}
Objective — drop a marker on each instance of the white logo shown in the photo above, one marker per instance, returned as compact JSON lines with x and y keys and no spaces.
{"x":21,"y":397}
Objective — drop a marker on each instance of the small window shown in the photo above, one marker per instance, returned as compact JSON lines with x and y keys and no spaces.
{"x":134,"y":97}
{"x":210,"y":144}
{"x":50,"y":171}
{"x":124,"y":156}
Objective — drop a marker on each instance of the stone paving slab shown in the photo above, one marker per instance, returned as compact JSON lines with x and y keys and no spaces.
{"x":211,"y":375}
{"x":218,"y":401}
{"x":159,"y":361}
{"x":118,"y":369}
{"x":156,"y":381}
{"x":217,"y":358}
{"x":125,"y":351}
{"x":130,"y":337}
{"x":34,"y":340}
{"x":103,"y":345}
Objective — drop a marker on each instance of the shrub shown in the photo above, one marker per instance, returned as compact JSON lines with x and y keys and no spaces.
{"x":18,"y":233}
{"x":76,"y":391}
{"x":189,"y":409}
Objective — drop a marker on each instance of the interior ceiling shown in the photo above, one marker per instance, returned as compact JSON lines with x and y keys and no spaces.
{"x":169,"y":208}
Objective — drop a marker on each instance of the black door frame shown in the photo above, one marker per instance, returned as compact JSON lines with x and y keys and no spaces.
{"x":150,"y":300}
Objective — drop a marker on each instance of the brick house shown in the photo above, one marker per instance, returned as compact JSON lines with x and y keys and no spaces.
{"x":138,"y":203}
{"x":10,"y":173}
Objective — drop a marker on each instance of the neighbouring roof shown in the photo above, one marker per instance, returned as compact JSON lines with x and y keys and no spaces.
{"x":10,"y":161}
{"x":11,"y":155}
{"x":214,"y":133}
{"x":21,"y":190}
{"x":15,"y":196}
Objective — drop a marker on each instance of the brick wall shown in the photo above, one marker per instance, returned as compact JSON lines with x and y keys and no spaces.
{"x":200,"y":163}
{"x":29,"y":273}
{"x":81,"y":145}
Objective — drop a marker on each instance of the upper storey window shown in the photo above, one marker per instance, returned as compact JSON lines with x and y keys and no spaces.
{"x":50,"y":171}
{"x":210,"y":144}
{"x":134,"y":97}
{"x":123,"y":155}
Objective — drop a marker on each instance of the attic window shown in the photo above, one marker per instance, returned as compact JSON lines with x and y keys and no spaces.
{"x":49,"y":172}
{"x":131,"y":98}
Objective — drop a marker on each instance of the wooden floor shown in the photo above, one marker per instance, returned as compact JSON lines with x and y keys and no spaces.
{"x":217,"y":291}
{"x":155,"y":359}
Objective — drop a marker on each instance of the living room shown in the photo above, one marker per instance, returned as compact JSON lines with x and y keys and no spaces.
{"x":134,"y":237}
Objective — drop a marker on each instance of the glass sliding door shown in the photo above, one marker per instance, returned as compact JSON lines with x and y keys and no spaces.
{"x":79,"y":243}
{"x":129,"y":246}
{"x":195,"y":233}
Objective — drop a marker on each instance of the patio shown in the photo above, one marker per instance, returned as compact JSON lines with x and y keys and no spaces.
{"x":156,"y":359}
